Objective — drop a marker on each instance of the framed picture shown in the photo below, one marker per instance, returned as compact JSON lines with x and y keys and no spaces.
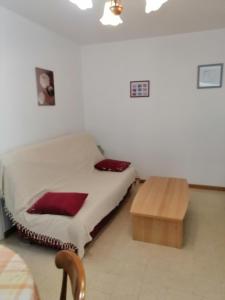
{"x":45,"y":87}
{"x":139,"y":88}
{"x":210,"y":76}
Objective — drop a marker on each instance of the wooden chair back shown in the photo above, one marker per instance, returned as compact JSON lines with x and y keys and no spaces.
{"x":73,"y":267}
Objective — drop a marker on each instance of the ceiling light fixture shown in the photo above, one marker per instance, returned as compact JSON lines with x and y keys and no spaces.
{"x":83,"y":4}
{"x":153,"y":5}
{"x":114,"y":8}
{"x":111,"y":14}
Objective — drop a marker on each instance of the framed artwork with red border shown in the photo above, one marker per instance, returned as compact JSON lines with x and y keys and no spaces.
{"x":139,"y":88}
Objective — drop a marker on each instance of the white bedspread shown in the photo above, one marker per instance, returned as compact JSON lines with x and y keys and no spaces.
{"x":64,"y":164}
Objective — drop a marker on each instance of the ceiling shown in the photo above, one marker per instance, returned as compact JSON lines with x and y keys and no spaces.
{"x":176,"y":16}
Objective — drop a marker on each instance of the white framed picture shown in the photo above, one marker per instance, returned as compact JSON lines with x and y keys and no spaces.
{"x":210,"y":76}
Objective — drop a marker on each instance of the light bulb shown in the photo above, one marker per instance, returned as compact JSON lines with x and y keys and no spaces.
{"x":153,"y":5}
{"x":108,"y":17}
{"x":83,"y":4}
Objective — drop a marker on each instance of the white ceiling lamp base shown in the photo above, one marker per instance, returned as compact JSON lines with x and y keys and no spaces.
{"x":109,"y":18}
{"x":153,"y":5}
{"x":83,"y":4}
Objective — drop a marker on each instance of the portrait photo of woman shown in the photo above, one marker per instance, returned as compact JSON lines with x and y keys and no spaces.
{"x":45,"y":87}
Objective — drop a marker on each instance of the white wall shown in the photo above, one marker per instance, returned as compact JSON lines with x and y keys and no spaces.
{"x":179,"y":130}
{"x":24,"y":46}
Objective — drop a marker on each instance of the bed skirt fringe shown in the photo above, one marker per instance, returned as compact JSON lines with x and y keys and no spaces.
{"x":37,"y":238}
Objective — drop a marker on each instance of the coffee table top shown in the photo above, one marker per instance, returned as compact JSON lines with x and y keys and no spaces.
{"x":162,"y":198}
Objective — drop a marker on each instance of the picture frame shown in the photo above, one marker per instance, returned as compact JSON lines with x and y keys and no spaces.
{"x":210,"y":76}
{"x":45,"y":87}
{"x":139,"y":89}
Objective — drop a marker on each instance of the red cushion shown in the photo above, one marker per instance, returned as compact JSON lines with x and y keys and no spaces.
{"x":112,"y":165}
{"x":58,"y":204}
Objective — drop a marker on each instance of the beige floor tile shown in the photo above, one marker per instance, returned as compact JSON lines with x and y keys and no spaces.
{"x":152,"y":292}
{"x":119,"y":268}
{"x":204,"y":287}
{"x":214,"y":297}
{"x":123,"y":296}
{"x":177,"y":295}
{"x":101,"y":282}
{"x":96,"y":295}
{"x":127,"y":288}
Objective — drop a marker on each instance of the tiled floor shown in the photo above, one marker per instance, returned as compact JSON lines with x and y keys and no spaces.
{"x":119,"y":268}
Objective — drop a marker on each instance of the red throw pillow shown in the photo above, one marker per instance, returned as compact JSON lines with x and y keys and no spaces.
{"x":112,"y":165}
{"x":58,"y":204}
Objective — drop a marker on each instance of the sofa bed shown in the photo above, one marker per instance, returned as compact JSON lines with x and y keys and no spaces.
{"x":64,"y":164}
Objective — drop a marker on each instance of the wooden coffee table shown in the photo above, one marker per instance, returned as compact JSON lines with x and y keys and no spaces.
{"x":158,"y":211}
